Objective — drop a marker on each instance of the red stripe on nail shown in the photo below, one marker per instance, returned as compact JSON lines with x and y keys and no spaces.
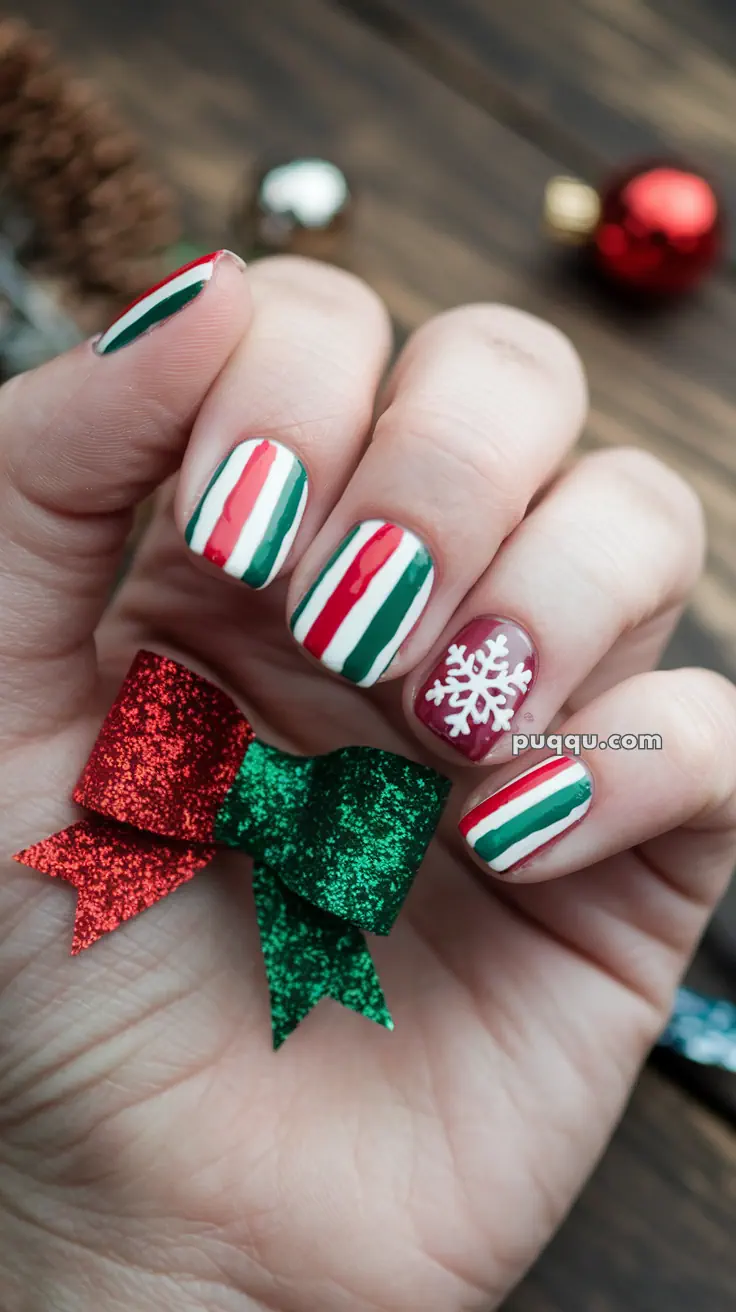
{"x":239,"y":504}
{"x":369,"y":560}
{"x":530,"y":779}
{"x":202,"y":259}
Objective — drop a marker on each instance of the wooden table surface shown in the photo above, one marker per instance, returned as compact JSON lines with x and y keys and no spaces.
{"x":450,"y":116}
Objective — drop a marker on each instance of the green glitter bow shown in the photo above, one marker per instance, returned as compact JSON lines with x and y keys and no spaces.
{"x":336,"y":839}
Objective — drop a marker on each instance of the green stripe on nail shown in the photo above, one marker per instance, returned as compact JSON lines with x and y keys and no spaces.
{"x":334,"y":557}
{"x":189,"y":530}
{"x":537,"y":817}
{"x":278,"y":527}
{"x":157,"y":314}
{"x":388,"y":617}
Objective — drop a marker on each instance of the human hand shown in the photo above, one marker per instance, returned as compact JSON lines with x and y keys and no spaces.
{"x":154,"y":1151}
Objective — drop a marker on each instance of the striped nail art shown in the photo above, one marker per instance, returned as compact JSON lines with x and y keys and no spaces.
{"x":251,"y":510}
{"x":366,"y":601}
{"x":162,"y":302}
{"x":528,"y":814}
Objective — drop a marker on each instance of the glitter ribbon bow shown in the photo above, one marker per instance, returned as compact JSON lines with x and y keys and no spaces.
{"x":178,"y":771}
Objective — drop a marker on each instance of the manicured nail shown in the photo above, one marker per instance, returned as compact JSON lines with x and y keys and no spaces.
{"x":250,"y":512}
{"x":366,"y":601}
{"x":524,"y":817}
{"x":162,"y":302}
{"x":476,"y":689}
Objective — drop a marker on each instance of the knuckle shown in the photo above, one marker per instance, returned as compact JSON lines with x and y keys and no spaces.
{"x":326,"y":405}
{"x":666,"y":489}
{"x":664,"y":498}
{"x":462,"y":454}
{"x":468,"y":381}
{"x":701,"y":739}
{"x":323,"y":286}
{"x":515,"y":337}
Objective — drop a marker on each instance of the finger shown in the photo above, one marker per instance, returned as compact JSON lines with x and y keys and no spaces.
{"x":597,"y":572}
{"x":282,"y":431}
{"x":82,"y":440}
{"x":485,"y":402}
{"x":665,"y":758}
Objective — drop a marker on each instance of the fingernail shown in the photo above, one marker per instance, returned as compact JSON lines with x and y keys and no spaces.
{"x":476,"y":689}
{"x":250,"y":513}
{"x":527,"y":815}
{"x":161,"y":302}
{"x":366,"y":601}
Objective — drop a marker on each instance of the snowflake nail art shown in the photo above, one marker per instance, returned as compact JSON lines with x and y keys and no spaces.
{"x":473,"y":694}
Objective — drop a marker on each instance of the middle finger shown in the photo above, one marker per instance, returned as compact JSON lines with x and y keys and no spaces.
{"x":481,"y":409}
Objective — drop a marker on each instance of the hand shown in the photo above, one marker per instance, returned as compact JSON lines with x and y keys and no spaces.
{"x":155,"y":1152}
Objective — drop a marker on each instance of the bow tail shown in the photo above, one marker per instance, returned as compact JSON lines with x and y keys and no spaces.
{"x":310,"y":954}
{"x":118,"y":871}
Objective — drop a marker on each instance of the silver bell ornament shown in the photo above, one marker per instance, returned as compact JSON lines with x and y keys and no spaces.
{"x":301,"y":206}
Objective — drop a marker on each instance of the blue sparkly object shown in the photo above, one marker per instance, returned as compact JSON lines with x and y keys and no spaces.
{"x":703,"y":1030}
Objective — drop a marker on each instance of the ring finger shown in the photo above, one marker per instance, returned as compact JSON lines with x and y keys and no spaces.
{"x":583,"y":594}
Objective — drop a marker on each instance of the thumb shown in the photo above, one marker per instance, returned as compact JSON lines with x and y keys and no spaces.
{"x":83,"y":439}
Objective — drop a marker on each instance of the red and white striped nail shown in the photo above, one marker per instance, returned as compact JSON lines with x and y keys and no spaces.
{"x":249,"y":514}
{"x":528,"y":814}
{"x":477,"y":687}
{"x":162,"y":302}
{"x":366,"y":601}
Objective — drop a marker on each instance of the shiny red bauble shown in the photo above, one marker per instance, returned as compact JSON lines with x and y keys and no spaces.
{"x":660,"y":229}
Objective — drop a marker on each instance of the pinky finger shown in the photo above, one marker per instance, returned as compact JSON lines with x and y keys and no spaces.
{"x":665,"y":757}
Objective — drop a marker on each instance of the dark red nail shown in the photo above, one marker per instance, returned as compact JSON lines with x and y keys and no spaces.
{"x":473,"y":694}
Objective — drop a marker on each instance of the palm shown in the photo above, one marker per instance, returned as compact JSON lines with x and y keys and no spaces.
{"x":439,"y":1156}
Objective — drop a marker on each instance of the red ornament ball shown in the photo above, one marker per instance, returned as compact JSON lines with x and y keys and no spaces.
{"x":660,"y":229}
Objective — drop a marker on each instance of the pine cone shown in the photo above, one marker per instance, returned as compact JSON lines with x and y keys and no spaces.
{"x":101,"y":216}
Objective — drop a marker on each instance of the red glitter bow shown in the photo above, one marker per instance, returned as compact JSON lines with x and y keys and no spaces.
{"x":166,"y":757}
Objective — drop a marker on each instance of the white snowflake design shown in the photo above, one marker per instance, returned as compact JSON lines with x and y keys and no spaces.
{"x":477,"y":685}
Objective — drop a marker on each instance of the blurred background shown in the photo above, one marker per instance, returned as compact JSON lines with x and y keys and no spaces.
{"x":137,"y":135}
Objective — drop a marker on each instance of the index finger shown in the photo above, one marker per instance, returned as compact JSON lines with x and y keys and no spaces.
{"x":83,"y":439}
